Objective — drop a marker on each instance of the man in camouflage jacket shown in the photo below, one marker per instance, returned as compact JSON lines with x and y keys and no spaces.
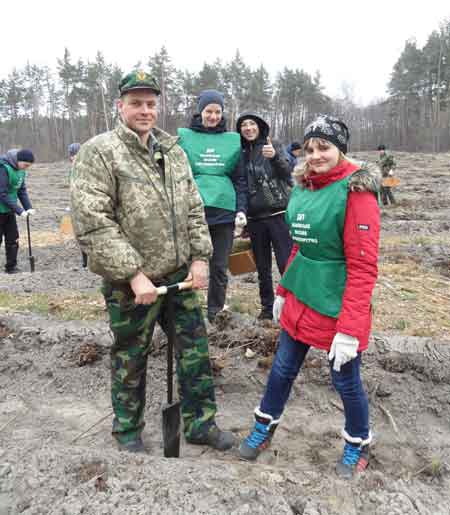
{"x":139,"y":217}
{"x":386,"y":162}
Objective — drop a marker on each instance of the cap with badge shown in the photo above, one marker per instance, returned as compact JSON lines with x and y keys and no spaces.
{"x":138,"y":79}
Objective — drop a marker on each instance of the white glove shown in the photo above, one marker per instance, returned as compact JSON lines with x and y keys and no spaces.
{"x":24,"y":214}
{"x":343,"y":349}
{"x":391,"y":172}
{"x":31,"y":211}
{"x":277,"y":308}
{"x":240,"y":220}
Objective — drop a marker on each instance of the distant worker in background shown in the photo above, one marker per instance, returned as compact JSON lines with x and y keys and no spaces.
{"x":386,"y":162}
{"x":72,"y":150}
{"x":13,"y":166}
{"x":293,"y":150}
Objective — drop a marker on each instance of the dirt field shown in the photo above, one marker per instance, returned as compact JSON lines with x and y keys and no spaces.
{"x":56,"y":452}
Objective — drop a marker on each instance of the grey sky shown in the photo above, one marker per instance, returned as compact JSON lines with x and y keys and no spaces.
{"x":356,"y":42}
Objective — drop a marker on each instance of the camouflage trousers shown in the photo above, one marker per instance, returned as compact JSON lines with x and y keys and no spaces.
{"x":133,"y":326}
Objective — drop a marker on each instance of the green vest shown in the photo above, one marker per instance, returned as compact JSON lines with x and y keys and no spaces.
{"x":213,"y":158}
{"x":16,"y":178}
{"x":317,"y":274}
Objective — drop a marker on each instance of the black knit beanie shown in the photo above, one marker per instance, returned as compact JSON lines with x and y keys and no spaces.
{"x":329,"y":128}
{"x":25,"y":155}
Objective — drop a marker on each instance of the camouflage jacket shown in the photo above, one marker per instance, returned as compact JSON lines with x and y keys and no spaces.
{"x":386,"y":162}
{"x":126,"y":217}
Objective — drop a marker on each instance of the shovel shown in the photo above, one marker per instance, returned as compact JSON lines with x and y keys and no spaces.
{"x":171,"y":419}
{"x":30,"y":255}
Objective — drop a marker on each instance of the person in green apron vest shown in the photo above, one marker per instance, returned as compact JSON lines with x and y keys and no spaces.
{"x":214,"y":156}
{"x":73,"y":150}
{"x":13,"y":166}
{"x":324,"y":299}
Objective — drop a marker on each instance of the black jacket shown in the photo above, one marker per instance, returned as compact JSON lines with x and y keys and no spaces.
{"x":269,"y":180}
{"x":216,"y":215}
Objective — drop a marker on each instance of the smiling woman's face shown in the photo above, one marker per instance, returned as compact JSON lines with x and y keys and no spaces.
{"x":321,"y":155}
{"x":211,"y":115}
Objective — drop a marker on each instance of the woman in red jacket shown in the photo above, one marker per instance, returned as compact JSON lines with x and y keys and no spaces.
{"x":324,"y":299}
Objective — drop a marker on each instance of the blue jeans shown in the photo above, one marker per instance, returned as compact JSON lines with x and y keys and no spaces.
{"x":285,"y":368}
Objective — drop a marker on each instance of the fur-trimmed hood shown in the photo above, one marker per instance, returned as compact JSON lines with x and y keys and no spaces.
{"x":367,"y":178}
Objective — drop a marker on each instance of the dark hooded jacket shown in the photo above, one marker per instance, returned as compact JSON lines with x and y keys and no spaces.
{"x":11,"y":158}
{"x":216,"y":215}
{"x":269,"y":180}
{"x":290,"y":155}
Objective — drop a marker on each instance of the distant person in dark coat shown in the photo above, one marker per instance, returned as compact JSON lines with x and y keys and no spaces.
{"x":13,"y":166}
{"x":293,"y":152}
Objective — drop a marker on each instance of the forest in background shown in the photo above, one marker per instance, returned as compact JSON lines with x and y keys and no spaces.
{"x":47,"y":109}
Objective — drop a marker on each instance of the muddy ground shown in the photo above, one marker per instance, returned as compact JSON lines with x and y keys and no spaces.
{"x":56,"y":452}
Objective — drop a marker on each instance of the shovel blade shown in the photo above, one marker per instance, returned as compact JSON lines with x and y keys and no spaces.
{"x":171,"y":430}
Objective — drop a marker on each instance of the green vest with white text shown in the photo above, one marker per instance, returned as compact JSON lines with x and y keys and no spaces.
{"x":15,"y":181}
{"x":213,"y":158}
{"x":318,"y":273}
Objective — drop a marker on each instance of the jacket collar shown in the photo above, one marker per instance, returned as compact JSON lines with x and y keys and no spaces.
{"x":364,"y":176}
{"x":316,"y":181}
{"x":131,"y":138}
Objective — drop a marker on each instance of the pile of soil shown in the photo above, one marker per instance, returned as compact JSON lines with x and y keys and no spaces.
{"x":56,"y":452}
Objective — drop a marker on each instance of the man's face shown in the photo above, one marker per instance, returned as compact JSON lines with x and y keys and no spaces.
{"x":23,"y":165}
{"x":297,"y":152}
{"x":249,"y":130}
{"x":139,"y":110}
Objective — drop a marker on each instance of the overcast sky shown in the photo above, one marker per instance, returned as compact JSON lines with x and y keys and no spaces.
{"x":356,"y":42}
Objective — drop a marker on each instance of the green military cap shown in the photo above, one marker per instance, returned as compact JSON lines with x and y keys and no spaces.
{"x":138,"y":79}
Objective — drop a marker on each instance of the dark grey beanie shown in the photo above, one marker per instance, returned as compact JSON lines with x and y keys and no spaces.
{"x":209,"y":96}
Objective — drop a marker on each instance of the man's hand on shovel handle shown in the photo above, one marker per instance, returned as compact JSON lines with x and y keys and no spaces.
{"x":144,"y":289}
{"x":198,"y":273}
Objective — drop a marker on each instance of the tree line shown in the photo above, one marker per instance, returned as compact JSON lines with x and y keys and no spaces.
{"x":47,"y":109}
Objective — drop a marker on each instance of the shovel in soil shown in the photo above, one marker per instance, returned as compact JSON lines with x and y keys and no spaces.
{"x":30,"y":254}
{"x":171,"y":420}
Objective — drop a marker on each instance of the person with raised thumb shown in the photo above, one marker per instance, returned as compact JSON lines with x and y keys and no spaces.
{"x":268,"y":150}
{"x":268,"y":175}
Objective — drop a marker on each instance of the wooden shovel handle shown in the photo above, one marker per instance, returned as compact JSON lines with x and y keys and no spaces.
{"x":186,"y":285}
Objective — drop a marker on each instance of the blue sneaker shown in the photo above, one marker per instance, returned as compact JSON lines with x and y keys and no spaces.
{"x":260,"y":438}
{"x":354,"y":459}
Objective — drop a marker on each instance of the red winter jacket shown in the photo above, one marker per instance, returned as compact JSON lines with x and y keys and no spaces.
{"x":360,"y":237}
